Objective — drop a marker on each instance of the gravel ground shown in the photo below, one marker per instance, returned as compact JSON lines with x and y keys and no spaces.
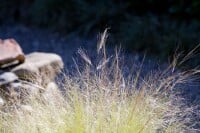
{"x":33,"y":39}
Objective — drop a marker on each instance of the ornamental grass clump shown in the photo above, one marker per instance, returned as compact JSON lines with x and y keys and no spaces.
{"x":99,"y":97}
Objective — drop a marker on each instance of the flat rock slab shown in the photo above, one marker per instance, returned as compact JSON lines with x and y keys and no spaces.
{"x":40,"y":68}
{"x":10,"y":53}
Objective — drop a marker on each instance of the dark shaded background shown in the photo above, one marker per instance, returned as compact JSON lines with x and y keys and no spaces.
{"x":153,"y":26}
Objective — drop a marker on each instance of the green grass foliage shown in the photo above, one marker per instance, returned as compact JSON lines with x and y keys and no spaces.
{"x":99,"y":98}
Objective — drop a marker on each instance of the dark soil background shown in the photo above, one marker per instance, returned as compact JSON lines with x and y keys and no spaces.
{"x":148,"y":26}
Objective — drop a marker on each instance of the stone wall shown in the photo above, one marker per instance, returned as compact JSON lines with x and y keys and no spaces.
{"x":22,"y":75}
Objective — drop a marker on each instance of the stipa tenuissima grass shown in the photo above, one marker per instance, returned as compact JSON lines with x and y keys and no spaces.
{"x":100,"y":99}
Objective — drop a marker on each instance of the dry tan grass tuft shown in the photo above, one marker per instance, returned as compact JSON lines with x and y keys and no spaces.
{"x":101,"y":99}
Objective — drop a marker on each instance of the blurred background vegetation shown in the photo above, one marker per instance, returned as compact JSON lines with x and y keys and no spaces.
{"x":154,"y":26}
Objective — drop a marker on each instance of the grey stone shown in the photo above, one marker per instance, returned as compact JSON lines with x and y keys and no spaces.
{"x":14,"y":90}
{"x":27,"y":108}
{"x":7,"y":92}
{"x":40,"y":68}
{"x":2,"y":102}
{"x":19,"y":92}
{"x":7,"y":77}
{"x":52,"y":92}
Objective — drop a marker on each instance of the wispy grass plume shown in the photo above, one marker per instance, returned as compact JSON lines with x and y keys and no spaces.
{"x":100,"y":98}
